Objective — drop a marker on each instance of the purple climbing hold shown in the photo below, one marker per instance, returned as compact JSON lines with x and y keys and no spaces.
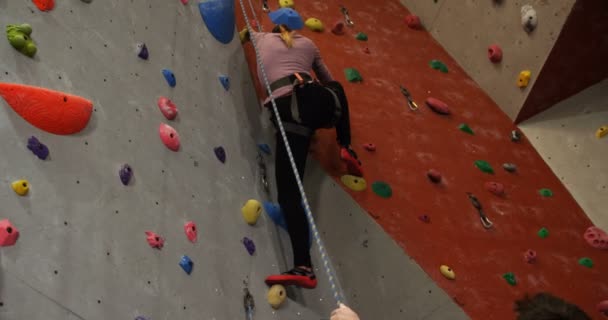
{"x":220,"y":153}
{"x":142,"y":51}
{"x":38,"y":148}
{"x":141,"y":318}
{"x":249,"y":245}
{"x":265,"y":148}
{"x":225,"y":82}
{"x":125,"y":174}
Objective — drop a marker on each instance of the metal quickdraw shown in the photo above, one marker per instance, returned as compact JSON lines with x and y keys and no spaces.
{"x":410,"y":102}
{"x":347,"y":19}
{"x":485,"y":222}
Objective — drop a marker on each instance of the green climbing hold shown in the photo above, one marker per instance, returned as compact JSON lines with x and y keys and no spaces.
{"x":19,"y":37}
{"x":352,"y":75}
{"x":484,"y":166}
{"x":587,"y":262}
{"x":465,"y":128}
{"x":438,"y":65}
{"x":361,"y":36}
{"x":545,"y":192}
{"x":543,"y":233}
{"x":510,"y":278}
{"x":382,"y":189}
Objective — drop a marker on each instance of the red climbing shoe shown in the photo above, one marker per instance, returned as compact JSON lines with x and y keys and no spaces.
{"x":294,"y":277}
{"x":353,"y":164}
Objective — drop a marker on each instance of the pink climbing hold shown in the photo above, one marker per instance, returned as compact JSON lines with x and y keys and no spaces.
{"x":184,"y":1}
{"x":413,"y":21}
{"x":530,"y":256}
{"x":169,"y":136}
{"x":338,"y":28}
{"x":369,"y":147}
{"x":8,"y":233}
{"x":495,"y":53}
{"x":434,"y":175}
{"x":155,"y":241}
{"x":167,"y":107}
{"x":190,"y":230}
{"x":496,"y":188}
{"x":603,"y":307}
{"x":438,"y":106}
{"x":596,"y":238}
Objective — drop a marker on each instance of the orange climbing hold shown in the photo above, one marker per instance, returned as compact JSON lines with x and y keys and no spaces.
{"x":52,"y":111}
{"x":44,"y":5}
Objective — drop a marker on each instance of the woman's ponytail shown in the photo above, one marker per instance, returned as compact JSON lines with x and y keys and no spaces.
{"x":287,"y":36}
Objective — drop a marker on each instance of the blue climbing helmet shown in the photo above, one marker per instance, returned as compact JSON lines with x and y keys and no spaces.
{"x":288,"y":17}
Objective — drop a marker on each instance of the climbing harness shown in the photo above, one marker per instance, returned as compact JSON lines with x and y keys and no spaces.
{"x":265,"y":6}
{"x":482,"y":216}
{"x":337,"y":292}
{"x":410,"y":102}
{"x":347,"y":19}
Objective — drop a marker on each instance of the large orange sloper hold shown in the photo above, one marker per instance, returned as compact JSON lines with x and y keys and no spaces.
{"x":52,"y":111}
{"x":44,"y":5}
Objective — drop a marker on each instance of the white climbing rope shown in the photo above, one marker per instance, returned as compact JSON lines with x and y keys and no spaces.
{"x":337,"y":292}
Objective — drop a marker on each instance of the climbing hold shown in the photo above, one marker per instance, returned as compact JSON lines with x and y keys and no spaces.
{"x":529,"y":20}
{"x":249,"y":245}
{"x":276,"y":295}
{"x":586,"y":262}
{"x":286,"y":4}
{"x":169,"y":136}
{"x":275,"y":214}
{"x":596,"y":237}
{"x":498,"y":189}
{"x":425,"y":218}
{"x":543,"y":233}
{"x":524,"y":78}
{"x":353,"y":75}
{"x":314,"y":24}
{"x":515,"y":136}
{"x":142,"y":51}
{"x":21,"y":187}
{"x":38,"y":148}
{"x":218,"y":15}
{"x":225,"y":81}
{"x":510,"y":167}
{"x":170,"y":77}
{"x":545,"y":192}
{"x":338,"y":28}
{"x":601,"y":132}
{"x":138,"y":317}
{"x":220,"y":153}
{"x":125,"y":173}
{"x":603,"y":307}
{"x":89,"y":1}
{"x":264,"y":148}
{"x":465,"y":128}
{"x":382,"y":189}
{"x":19,"y":36}
{"x":8,"y":233}
{"x":190,"y":230}
{"x":251,"y":211}
{"x":434,"y":175}
{"x":510,"y":278}
{"x":186,"y":263}
{"x":437,"y":106}
{"x":155,"y":241}
{"x":447,"y":272}
{"x":184,"y":2}
{"x":361,"y":36}
{"x":366,"y":50}
{"x":438,"y":65}
{"x":369,"y":147}
{"x":530,"y":256}
{"x":484,"y":166}
{"x":52,"y":111}
{"x":495,"y":53}
{"x":413,"y":21}
{"x":167,"y":108}
{"x":288,"y":17}
{"x":44,"y":5}
{"x":354,"y":183}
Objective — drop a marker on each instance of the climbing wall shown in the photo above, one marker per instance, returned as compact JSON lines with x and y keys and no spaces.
{"x":437,"y":224}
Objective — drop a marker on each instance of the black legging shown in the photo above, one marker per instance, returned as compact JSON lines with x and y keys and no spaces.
{"x":289,"y":196}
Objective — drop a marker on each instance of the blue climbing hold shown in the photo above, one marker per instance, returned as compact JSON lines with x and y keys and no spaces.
{"x":288,"y":17}
{"x":218,"y":15}
{"x":225,"y":82}
{"x":170,"y":77}
{"x":265,"y":148}
{"x":275,"y":214}
{"x":186,"y":264}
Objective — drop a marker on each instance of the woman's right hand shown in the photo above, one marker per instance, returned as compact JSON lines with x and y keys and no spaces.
{"x":344,"y":313}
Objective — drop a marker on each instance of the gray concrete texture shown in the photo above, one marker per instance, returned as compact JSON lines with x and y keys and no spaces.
{"x":466,"y":29}
{"x":82,"y":252}
{"x":564,"y":136}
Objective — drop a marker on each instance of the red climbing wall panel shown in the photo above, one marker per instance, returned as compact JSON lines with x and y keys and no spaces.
{"x":409,"y":143}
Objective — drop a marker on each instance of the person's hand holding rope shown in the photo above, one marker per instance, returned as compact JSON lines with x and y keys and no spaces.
{"x":344,"y":313}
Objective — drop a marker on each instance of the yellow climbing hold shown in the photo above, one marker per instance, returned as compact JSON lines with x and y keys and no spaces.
{"x":276,"y":295}
{"x":354,"y":183}
{"x":601,"y":132}
{"x":286,"y":4}
{"x":21,"y":187}
{"x":314,"y":24}
{"x":447,"y":272}
{"x":251,"y":211}
{"x":524,"y":78}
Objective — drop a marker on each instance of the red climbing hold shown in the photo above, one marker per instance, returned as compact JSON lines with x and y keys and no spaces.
{"x":434,"y":175}
{"x":596,"y":238}
{"x":413,"y":21}
{"x":190,"y":230}
{"x":530,"y":256}
{"x":496,"y":188}
{"x":52,"y":111}
{"x":495,"y":53}
{"x":603,"y":307}
{"x":366,"y":50}
{"x":169,"y":137}
{"x":155,"y":241}
{"x":338,"y":28}
{"x":44,"y":5}
{"x":8,"y":233}
{"x":438,"y":106}
{"x":369,"y":147}
{"x":167,"y":107}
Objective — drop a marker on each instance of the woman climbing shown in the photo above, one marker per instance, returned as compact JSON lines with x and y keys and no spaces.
{"x":304,"y":105}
